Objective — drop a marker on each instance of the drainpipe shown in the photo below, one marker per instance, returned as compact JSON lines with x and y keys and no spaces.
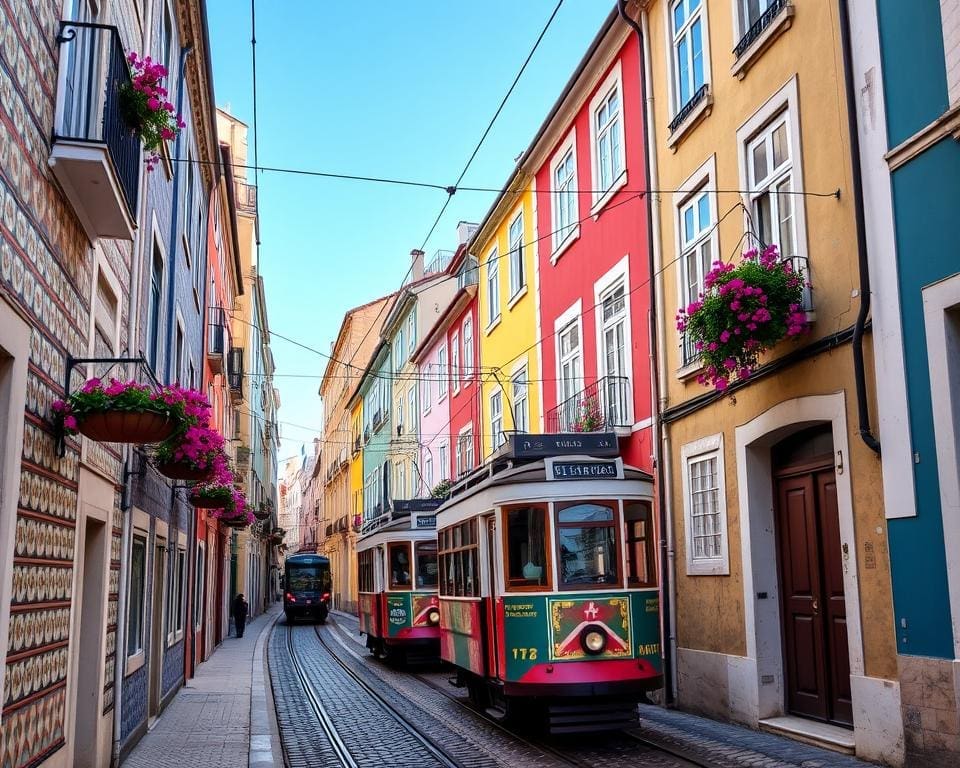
{"x":174,"y":215}
{"x":657,"y":372}
{"x":863,"y":410}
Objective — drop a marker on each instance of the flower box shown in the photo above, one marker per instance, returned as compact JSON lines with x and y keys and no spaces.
{"x":207,"y":498}
{"x":140,"y":427}
{"x":183,"y":470}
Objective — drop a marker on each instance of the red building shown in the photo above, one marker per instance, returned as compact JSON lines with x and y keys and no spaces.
{"x":589,"y":164}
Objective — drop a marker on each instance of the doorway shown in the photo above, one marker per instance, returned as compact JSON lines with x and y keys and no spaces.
{"x":810,"y":562}
{"x":90,"y":653}
{"x":156,"y":631}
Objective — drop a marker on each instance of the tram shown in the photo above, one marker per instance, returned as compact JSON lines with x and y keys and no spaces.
{"x":397,"y":581}
{"x":306,"y":587}
{"x":549,"y":605}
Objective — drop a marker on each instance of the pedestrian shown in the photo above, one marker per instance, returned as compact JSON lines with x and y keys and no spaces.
{"x":239,"y":613}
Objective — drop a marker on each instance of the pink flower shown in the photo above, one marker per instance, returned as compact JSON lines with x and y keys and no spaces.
{"x":729,"y":363}
{"x":724,"y":336}
{"x":90,"y":385}
{"x":720,"y":383}
{"x":153,"y":103}
{"x":70,"y":422}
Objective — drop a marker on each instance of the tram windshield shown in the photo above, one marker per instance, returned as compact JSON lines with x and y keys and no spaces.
{"x":527,"y":547}
{"x":588,"y":544}
{"x":400,"y":565}
{"x":306,"y":578}
{"x":426,"y":552}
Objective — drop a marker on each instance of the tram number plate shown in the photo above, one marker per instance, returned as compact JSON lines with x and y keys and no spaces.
{"x":525,"y":654}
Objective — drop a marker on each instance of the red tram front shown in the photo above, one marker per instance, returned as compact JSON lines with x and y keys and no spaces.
{"x":548,"y":591}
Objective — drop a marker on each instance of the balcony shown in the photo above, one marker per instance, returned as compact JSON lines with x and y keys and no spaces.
{"x":235,"y":373}
{"x":217,"y":345}
{"x":243,"y":458}
{"x":246,"y":196}
{"x":604,"y":406}
{"x":439,"y":263}
{"x":357,"y":444}
{"x":94,"y":154}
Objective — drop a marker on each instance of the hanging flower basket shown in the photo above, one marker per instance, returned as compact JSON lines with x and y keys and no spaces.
{"x":183,"y":470}
{"x":118,"y":412}
{"x":146,"y":107}
{"x":212,"y":496}
{"x":192,"y":452}
{"x":263,"y":512}
{"x":744,"y":311}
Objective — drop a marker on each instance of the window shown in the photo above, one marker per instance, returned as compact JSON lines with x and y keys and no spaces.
{"x":399,"y":556}
{"x":750,"y":12}
{"x":175,"y":603}
{"x":365,"y":571}
{"x":638,"y":525}
{"x":468,"y":273}
{"x":411,"y":333}
{"x":613,"y":333}
{"x":426,"y":564}
{"x":770,"y":169}
{"x":607,"y":141}
{"x":518,"y":397}
{"x":428,"y":471}
{"x":427,"y":388}
{"x":166,"y":43}
{"x":493,"y":287}
{"x":587,"y":543}
{"x":188,"y":209}
{"x":526,"y":548}
{"x":178,"y":350}
{"x":106,"y":315}
{"x":570,"y":373}
{"x":565,"y":201}
{"x":455,"y":362}
{"x":696,"y":252}
{"x":412,"y":410}
{"x":398,"y":355}
{"x":687,"y":25}
{"x":443,"y":456}
{"x":442,"y":378}
{"x":705,"y":507}
{"x":400,"y":415}
{"x":135,"y":601}
{"x":401,"y":490}
{"x":496,"y":419}
{"x":459,"y":571}
{"x":465,"y":451}
{"x":198,"y":593}
{"x":515,"y":236}
{"x":467,"y":351}
{"x":156,"y":290}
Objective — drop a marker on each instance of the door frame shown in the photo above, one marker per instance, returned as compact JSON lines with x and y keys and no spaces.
{"x":763,"y":685}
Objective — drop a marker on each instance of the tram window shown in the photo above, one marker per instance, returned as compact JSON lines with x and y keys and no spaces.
{"x":526,"y":547}
{"x":426,"y":564}
{"x":365,"y":571}
{"x":639,"y":541}
{"x":587,"y":543}
{"x":458,"y":561}
{"x":399,"y":565}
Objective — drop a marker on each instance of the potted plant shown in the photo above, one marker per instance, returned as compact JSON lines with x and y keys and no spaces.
{"x":146,"y":107}
{"x":118,"y":412}
{"x":441,"y":489}
{"x":744,"y":311}
{"x":589,"y":417}
{"x":193,"y":451}
{"x":263,"y":512}
{"x":219,"y":491}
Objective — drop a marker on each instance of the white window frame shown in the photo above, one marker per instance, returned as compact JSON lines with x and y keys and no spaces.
{"x":200,"y":585}
{"x":786,"y":100}
{"x":492,"y":278}
{"x":515,"y":247}
{"x":741,"y":24}
{"x":180,"y":353}
{"x":455,"y":362}
{"x":465,"y":447}
{"x":496,"y":418}
{"x":426,"y":389}
{"x":564,"y":235}
{"x":519,"y":378}
{"x":412,"y":409}
{"x":618,"y":273}
{"x":102,"y":269}
{"x":468,"y":351}
{"x":411,"y":333}
{"x":177,"y":578}
{"x":141,"y":530}
{"x":572,"y":315}
{"x":600,"y":197}
{"x":428,"y":471}
{"x":399,"y":405}
{"x":442,"y":372}
{"x":443,"y":457}
{"x":400,"y":491}
{"x":673,"y":39}
{"x":701,"y":450}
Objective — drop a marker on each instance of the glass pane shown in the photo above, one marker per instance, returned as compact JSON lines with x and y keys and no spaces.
{"x":639,"y":543}
{"x":696,"y":46}
{"x":703,"y":212}
{"x":693,"y":281}
{"x":706,"y":261}
{"x":615,"y":149}
{"x":585,"y":513}
{"x":400,"y":566}
{"x":689,"y":225}
{"x":759,"y":161}
{"x":426,"y":565}
{"x":785,"y":208}
{"x":678,"y":16}
{"x":781,"y":151}
{"x":588,"y":555}
{"x":763,"y":223}
{"x":693,"y":5}
{"x":683,"y":71}
{"x":527,"y":546}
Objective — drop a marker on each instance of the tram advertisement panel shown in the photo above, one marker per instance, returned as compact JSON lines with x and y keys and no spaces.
{"x":368,"y":613}
{"x":545,"y":630}
{"x":460,"y":639}
{"x":407,"y":610}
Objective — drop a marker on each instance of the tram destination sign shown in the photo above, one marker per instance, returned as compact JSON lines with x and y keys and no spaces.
{"x":416,"y":505}
{"x":427,"y":521}
{"x":585,"y":470}
{"x":601,"y":445}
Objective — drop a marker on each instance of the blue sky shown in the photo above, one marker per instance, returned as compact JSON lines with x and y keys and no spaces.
{"x":386,"y":89}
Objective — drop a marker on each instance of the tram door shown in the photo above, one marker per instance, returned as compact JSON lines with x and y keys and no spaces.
{"x":490,"y":585}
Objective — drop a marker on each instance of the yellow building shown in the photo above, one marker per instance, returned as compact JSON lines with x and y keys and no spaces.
{"x":509,"y":328}
{"x":781,"y":581}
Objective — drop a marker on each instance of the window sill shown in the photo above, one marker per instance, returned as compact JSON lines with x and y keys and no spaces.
{"x":696,"y":116}
{"x":134,"y":663}
{"x":619,"y":183}
{"x":489,"y":329}
{"x":690,"y":370}
{"x":516,"y":298}
{"x":707,"y":568}
{"x":567,"y":242}
{"x":777,"y":27}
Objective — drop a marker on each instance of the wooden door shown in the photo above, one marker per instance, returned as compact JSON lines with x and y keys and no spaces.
{"x":814,"y":611}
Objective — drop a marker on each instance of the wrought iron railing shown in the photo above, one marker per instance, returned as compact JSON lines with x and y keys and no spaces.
{"x":687,"y":108}
{"x":440,"y":261}
{"x":602,"y":406}
{"x":235,"y":369}
{"x":217,"y":326}
{"x":762,"y":22}
{"x":246,"y":196}
{"x":96,"y":71}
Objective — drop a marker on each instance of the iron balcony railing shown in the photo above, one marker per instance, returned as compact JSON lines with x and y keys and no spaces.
{"x":440,"y":261}
{"x":217,"y":344}
{"x":687,"y":108}
{"x":357,"y":442}
{"x":246,"y":196}
{"x":762,"y":22}
{"x":92,"y":111}
{"x":600,"y":407}
{"x":235,"y":370}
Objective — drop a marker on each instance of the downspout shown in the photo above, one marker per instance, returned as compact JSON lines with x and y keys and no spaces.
{"x":863,"y":410}
{"x":174,"y":215}
{"x":661,"y":455}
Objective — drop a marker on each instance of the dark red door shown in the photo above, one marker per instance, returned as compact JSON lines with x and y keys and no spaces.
{"x":814,"y":611}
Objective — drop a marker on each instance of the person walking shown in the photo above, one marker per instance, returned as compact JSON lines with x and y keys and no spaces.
{"x":240,"y":613}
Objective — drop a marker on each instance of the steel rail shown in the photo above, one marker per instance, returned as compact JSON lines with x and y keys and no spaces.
{"x":336,"y":742}
{"x":434,"y":749}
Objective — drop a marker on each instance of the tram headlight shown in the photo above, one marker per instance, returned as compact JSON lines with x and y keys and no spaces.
{"x":433,"y":617}
{"x":593,"y":639}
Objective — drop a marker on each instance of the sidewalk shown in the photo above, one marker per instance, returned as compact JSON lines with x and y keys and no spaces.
{"x":220,"y":719}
